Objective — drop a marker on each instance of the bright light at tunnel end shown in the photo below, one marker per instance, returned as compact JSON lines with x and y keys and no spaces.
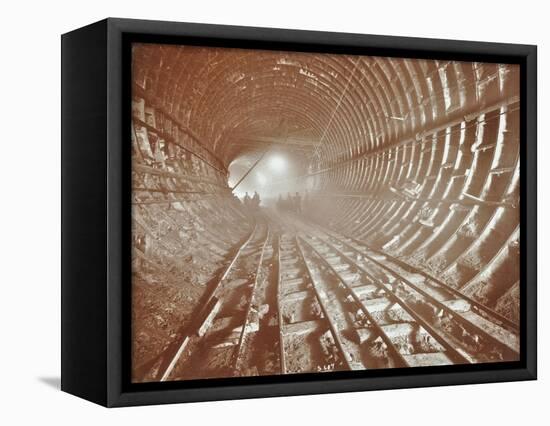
{"x":277,"y":163}
{"x":261,"y":179}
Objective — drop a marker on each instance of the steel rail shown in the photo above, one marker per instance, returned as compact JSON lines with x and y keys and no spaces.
{"x":395,"y":352}
{"x":282,"y":357}
{"x":238,"y":353}
{"x":199,"y":313}
{"x":440,"y":305}
{"x":453,"y":354}
{"x":428,"y":297}
{"x":482,"y":309}
{"x":333,"y":329}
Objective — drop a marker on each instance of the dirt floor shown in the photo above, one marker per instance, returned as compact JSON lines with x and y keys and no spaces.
{"x":161,"y":304}
{"x":165,"y":291}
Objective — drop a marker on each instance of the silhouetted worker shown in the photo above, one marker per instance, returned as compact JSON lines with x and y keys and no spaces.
{"x":288,"y":202}
{"x":256,"y":200}
{"x":280,"y":203}
{"x":297,"y":203}
{"x":246,"y":200}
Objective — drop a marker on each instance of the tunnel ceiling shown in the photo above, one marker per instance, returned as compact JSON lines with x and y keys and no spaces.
{"x":329,"y":107}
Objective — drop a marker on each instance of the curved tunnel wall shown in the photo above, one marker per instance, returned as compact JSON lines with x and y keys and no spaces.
{"x":417,"y":158}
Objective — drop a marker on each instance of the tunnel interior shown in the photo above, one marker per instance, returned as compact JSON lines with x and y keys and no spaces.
{"x":418,"y":159}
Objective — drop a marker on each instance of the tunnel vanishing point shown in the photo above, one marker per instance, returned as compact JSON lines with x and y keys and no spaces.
{"x":388,"y":229}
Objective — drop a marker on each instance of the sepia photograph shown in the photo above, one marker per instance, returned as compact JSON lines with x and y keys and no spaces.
{"x":301,"y":212}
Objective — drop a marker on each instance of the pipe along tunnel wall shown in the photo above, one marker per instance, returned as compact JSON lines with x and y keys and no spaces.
{"x":416,"y":159}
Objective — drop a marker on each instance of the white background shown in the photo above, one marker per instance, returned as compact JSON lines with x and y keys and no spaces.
{"x":30,"y":213}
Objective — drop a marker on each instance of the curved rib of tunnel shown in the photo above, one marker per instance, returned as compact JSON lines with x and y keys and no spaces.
{"x":419,"y":159}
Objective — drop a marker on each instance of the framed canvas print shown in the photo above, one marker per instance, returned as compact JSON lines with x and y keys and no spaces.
{"x":253,"y":212}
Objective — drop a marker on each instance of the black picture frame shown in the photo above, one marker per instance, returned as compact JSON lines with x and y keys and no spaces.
{"x":96,"y":230}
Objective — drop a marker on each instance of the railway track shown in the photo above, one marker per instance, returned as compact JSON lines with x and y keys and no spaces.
{"x":384,"y":329}
{"x":470,"y":329}
{"x":298,"y":298}
{"x":308,"y":333}
{"x":218,"y":345}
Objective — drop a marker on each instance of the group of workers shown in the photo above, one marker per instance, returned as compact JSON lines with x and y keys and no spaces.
{"x":291,"y":203}
{"x":252,"y":203}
